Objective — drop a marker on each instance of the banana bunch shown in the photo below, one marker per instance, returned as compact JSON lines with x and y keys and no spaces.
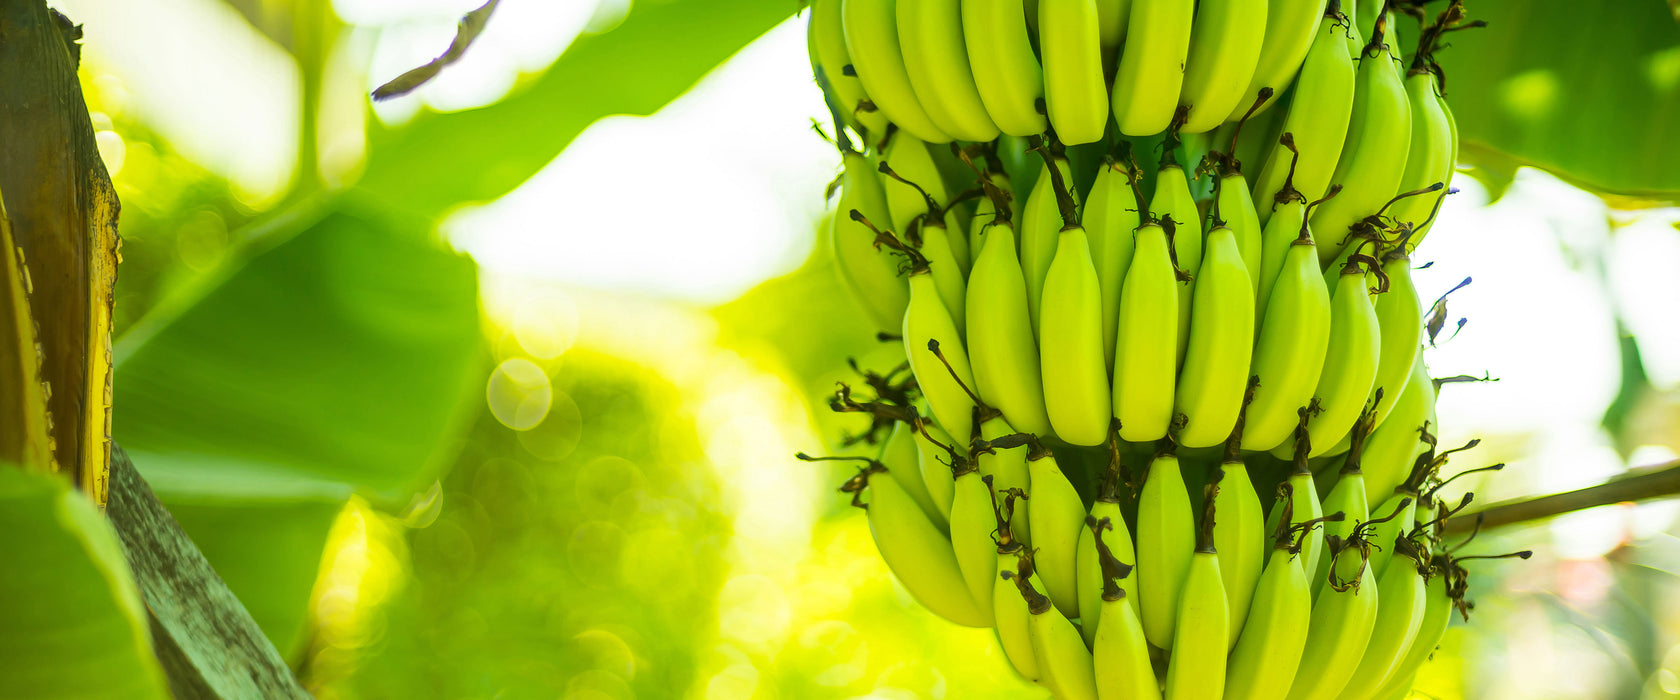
{"x":1168,"y":431}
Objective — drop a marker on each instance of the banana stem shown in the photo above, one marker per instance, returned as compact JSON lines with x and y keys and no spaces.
{"x":1661,"y":481}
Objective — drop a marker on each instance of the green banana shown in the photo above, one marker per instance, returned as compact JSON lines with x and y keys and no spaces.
{"x":1146,"y":344}
{"x":1093,"y":577}
{"x":871,"y":32}
{"x":1202,"y":638}
{"x":927,"y":320}
{"x":1057,"y":516}
{"x":932,"y":446}
{"x":1290,"y":28}
{"x":973,"y":521}
{"x":1166,"y":539}
{"x":1001,"y":341}
{"x":1075,"y":94}
{"x":828,"y":41}
{"x":1349,"y":498}
{"x":1070,"y":336}
{"x":870,"y":273}
{"x":1400,"y":329}
{"x":1399,"y":619}
{"x":1300,"y":506}
{"x":1210,"y":386}
{"x":1040,"y":227}
{"x":1430,"y":157}
{"x":1007,"y":467}
{"x":1401,"y":510}
{"x":918,"y":554}
{"x":1278,"y":234}
{"x":1233,"y":203}
{"x":1318,"y":118}
{"x":911,"y":159}
{"x":1009,"y":609}
{"x":1173,"y":201}
{"x":1378,"y":140}
{"x":1438,"y":607}
{"x":1396,"y":443}
{"x":1005,"y":68}
{"x":1063,"y":660}
{"x":1111,"y":220}
{"x":1339,"y":631}
{"x":1240,"y":536}
{"x":1350,"y":366}
{"x":1119,"y":650}
{"x":1225,"y":44}
{"x":1290,"y":350}
{"x":902,"y":456}
{"x":930,"y":37}
{"x":1268,"y":651}
{"x":1422,"y":229}
{"x":1151,"y":70}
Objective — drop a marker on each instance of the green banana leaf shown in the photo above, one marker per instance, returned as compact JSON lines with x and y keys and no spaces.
{"x":339,"y":354}
{"x":73,"y":622}
{"x":1589,"y":92}
{"x":660,"y":50}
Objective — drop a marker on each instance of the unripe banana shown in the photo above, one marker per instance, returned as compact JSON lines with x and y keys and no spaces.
{"x":1398,"y":513}
{"x":1166,"y":539}
{"x":910,"y":158}
{"x":1236,"y":207}
{"x":1001,"y":341}
{"x":1111,"y":220}
{"x":1146,"y":339}
{"x":1289,"y":353}
{"x":1422,"y":229}
{"x":930,"y":36}
{"x":871,"y":31}
{"x":1040,"y":227}
{"x":1210,"y":391}
{"x":1005,"y":69}
{"x":1350,"y":366}
{"x":1173,"y":200}
{"x":1151,"y":70}
{"x":1400,"y":327}
{"x":1378,"y":138}
{"x":1057,"y":516}
{"x":926,"y":320}
{"x":1396,"y":443}
{"x":1009,"y":608}
{"x":1007,"y":468}
{"x":1318,"y":118}
{"x":1277,"y":238}
{"x":1438,"y":607}
{"x":1071,"y":345}
{"x":870,"y":273}
{"x":1339,"y":632}
{"x":1239,"y":534}
{"x":1302,"y":508}
{"x":1290,"y":28}
{"x":1348,"y":498}
{"x":934,"y":470}
{"x":919,"y":555}
{"x":1118,"y":648}
{"x":1268,"y":651}
{"x":828,"y":41}
{"x":1202,"y":639}
{"x":972,"y":524}
{"x":902,"y":456}
{"x":1399,"y":618}
{"x":1117,"y":542}
{"x":1075,"y":94}
{"x":1063,"y":660}
{"x":1225,"y":46}
{"x":1431,"y":154}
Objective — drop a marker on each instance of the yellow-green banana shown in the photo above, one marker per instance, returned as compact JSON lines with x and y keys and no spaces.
{"x":1075,"y":94}
{"x":1398,"y":513}
{"x":1235,"y":206}
{"x":1111,"y":220}
{"x":1005,"y":68}
{"x":1057,"y":516}
{"x":1146,"y":339}
{"x":870,"y":273}
{"x":1007,"y":467}
{"x":1040,"y":227}
{"x":1399,"y":618}
{"x":1151,"y":70}
{"x":1225,"y":44}
{"x":919,"y":555}
{"x":1422,"y":229}
{"x":1400,"y":327}
{"x":930,"y":37}
{"x":910,"y":158}
{"x":1350,"y":366}
{"x":1431,"y":154}
{"x":1396,"y":443}
{"x":1289,"y":353}
{"x":1339,"y":631}
{"x":1290,"y":28}
{"x":1300,"y":505}
{"x":933,"y":463}
{"x":1202,"y":640}
{"x":1119,"y":650}
{"x":902,"y":455}
{"x":927,"y":320}
{"x":1278,"y":235}
{"x":1001,"y":341}
{"x":1268,"y":651}
{"x":1438,"y":608}
{"x":1239,"y":533}
{"x":1210,"y":386}
{"x":1173,"y":201}
{"x":1116,"y":539}
{"x":1348,"y":498}
{"x":1379,"y":137}
{"x":1166,"y":539}
{"x":972,"y":523}
{"x":1063,"y":661}
{"x":828,"y":41}
{"x":871,"y":32}
{"x":1009,"y":609}
{"x":1070,"y":337}
{"x":1318,"y":118}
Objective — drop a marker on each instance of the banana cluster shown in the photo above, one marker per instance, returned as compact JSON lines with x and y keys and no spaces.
{"x":1105,"y":380}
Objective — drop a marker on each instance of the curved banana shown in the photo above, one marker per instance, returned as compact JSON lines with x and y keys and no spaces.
{"x":1007,"y":468}
{"x":1225,"y":44}
{"x":1268,"y":651}
{"x":1350,"y":366}
{"x":1146,"y":339}
{"x":1398,"y":514}
{"x":1001,"y":341}
{"x":1302,"y":508}
{"x":1197,"y":668}
{"x":1119,"y":650}
{"x":1116,"y":541}
{"x":1063,"y":661}
{"x":1166,"y":539}
{"x":1235,"y":206}
{"x":1431,"y":154}
{"x":1422,"y":229}
{"x":1438,"y":608}
{"x":1339,"y":631}
{"x":1008,"y":607}
{"x":1070,"y":337}
{"x":1211,"y":384}
{"x":1239,"y":533}
{"x":1006,"y":70}
{"x":1151,"y":71}
{"x":930,"y":36}
{"x":932,"y":448}
{"x":972,"y":523}
{"x":1040,"y":227}
{"x":828,"y":41}
{"x":1318,"y":118}
{"x":926,"y":320}
{"x":1075,"y":94}
{"x":919,"y":555}
{"x":1173,"y":201}
{"x":871,"y":32}
{"x":1379,"y":136}
{"x":902,"y":454}
{"x":1290,"y":350}
{"x":1056,"y":517}
{"x":1399,"y":618}
{"x":1290,"y":28}
{"x":869,"y":273}
{"x":1278,"y":237}
{"x":1111,"y":220}
{"x":985,"y":214}
{"x":910,"y":158}
{"x":1396,"y":444}
{"x":1348,"y":498}
{"x":1400,"y":327}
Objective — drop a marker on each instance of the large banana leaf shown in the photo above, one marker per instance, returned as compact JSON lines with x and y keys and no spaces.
{"x":338,"y":355}
{"x":1589,"y":91}
{"x":71,"y":621}
{"x":661,"y":49}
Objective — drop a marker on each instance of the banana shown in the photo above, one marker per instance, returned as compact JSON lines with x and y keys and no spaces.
{"x":1040,"y":227}
{"x":1146,"y":344}
{"x":1063,"y":660}
{"x":1399,"y":619}
{"x":1210,"y":386}
{"x":871,"y":32}
{"x":869,"y":273}
{"x":1301,"y":507}
{"x":1202,"y":638}
{"x":1318,"y":118}
{"x":1290,"y":350}
{"x":1006,"y":71}
{"x":1400,"y":329}
{"x":1111,"y":220}
{"x":1347,"y":497}
{"x":1001,"y":341}
{"x":1225,"y":44}
{"x":1431,"y":153}
{"x":932,"y":448}
{"x":1075,"y":94}
{"x":1400,"y":516}
{"x":1240,"y":536}
{"x":1235,"y":206}
{"x":1070,"y":337}
{"x":918,"y":554}
{"x":972,"y":523}
{"x":1350,"y":365}
{"x":828,"y":41}
{"x":1173,"y":201}
{"x":1166,"y":540}
{"x":1378,"y":140}
{"x":1286,"y":222}
{"x":1151,"y":71}
{"x":1339,"y":631}
{"x":927,"y":320}
{"x":1396,"y":443}
{"x":1119,"y":650}
{"x":930,"y":36}
{"x":1438,"y":607}
{"x":1056,"y":517}
{"x":1093,"y":578}
{"x":1007,"y":467}
{"x":911,"y":159}
{"x":1290,"y":28}
{"x":1268,"y":651}
{"x":1009,"y":609}
{"x":902,"y":454}
{"x":1422,"y":229}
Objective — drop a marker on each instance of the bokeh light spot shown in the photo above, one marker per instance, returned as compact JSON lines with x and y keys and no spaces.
{"x":519,"y":394}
